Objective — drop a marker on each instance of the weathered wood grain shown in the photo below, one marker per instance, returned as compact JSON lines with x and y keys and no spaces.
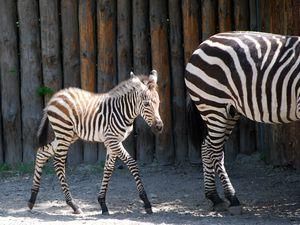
{"x":10,"y":83}
{"x":124,"y":56}
{"x":142,"y":65}
{"x":225,"y":15}
{"x":178,"y":92}
{"x":71,"y":60}
{"x":51,"y":51}
{"x":164,"y":148}
{"x":107,"y":49}
{"x":209,"y":18}
{"x":191,"y":39}
{"x":31,"y":75}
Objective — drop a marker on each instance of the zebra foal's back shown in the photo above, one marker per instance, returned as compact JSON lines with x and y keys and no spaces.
{"x":256,"y":73}
{"x":76,"y":111}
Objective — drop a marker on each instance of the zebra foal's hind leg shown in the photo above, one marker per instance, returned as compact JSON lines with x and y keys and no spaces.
{"x":43,"y":154}
{"x":108,"y":170}
{"x":60,"y":165}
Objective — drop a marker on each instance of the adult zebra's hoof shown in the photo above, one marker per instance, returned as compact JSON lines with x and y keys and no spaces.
{"x":235,"y":210}
{"x":77,"y":211}
{"x":220,"y":207}
{"x":149,"y":210}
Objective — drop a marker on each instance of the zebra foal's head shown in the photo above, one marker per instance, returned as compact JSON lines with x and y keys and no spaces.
{"x":149,"y":101}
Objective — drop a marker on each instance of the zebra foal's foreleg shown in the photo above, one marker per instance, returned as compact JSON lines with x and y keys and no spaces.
{"x":108,"y":170}
{"x":43,"y":154}
{"x":133,"y":168}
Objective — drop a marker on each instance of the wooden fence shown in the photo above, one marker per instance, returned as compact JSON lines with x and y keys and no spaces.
{"x":48,"y":45}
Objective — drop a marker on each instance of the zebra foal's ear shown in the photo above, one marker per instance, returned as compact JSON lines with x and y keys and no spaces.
{"x":152,"y":82}
{"x":153,"y":76}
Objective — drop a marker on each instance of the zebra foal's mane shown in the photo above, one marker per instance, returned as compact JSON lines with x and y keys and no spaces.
{"x":131,"y":84}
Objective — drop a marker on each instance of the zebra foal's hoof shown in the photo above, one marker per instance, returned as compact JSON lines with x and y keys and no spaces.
{"x":235,"y":210}
{"x":30,"y":205}
{"x":105,"y":213}
{"x":149,"y":210}
{"x":77,"y":211}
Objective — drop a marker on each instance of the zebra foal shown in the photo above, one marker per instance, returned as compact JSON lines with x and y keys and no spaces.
{"x":74,"y":113}
{"x":251,"y":74}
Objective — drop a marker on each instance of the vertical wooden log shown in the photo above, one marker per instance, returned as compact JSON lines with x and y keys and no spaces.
{"x":246,"y":127}
{"x":191,"y":37}
{"x":178,"y":86}
{"x":253,"y":15}
{"x":71,"y":62}
{"x":87,"y":9}
{"x":31,"y":76}
{"x":141,"y":63}
{"x":277,"y":17}
{"x":209,"y":18}
{"x":10,"y":83}
{"x":124,"y":54}
{"x":50,"y":39}
{"x":224,"y":13}
{"x":107,"y":52}
{"x":264,"y":15}
{"x":164,"y":147}
{"x":1,"y":135}
{"x":241,"y":14}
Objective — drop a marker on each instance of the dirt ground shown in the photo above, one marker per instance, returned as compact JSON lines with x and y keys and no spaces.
{"x":269,"y":196}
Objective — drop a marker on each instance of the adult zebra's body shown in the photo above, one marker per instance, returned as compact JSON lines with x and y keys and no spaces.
{"x":74,"y":113}
{"x":253,"y":74}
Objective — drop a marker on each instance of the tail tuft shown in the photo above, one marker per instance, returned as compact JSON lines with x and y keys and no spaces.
{"x":197,"y":128}
{"x":42,"y":133}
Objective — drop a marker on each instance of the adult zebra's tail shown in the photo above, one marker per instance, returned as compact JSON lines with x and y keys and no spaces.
{"x":197,"y":128}
{"x":43,"y":130}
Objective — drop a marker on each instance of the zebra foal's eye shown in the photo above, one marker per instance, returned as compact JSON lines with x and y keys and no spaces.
{"x":146,"y":103}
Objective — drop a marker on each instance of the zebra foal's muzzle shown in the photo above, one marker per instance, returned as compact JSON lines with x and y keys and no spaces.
{"x":157,"y":126}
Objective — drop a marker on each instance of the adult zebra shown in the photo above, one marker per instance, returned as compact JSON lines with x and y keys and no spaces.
{"x":253,"y":74}
{"x":74,"y":113}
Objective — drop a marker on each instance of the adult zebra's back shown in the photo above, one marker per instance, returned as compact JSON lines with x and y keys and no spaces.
{"x":253,"y":74}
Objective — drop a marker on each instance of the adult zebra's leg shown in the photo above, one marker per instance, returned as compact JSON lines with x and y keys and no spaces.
{"x":60,"y":169}
{"x":209,"y":178}
{"x":218,"y":136}
{"x":42,"y":156}
{"x":108,"y":170}
{"x":133,"y":168}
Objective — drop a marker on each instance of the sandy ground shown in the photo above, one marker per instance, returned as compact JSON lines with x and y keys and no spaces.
{"x":269,"y":196}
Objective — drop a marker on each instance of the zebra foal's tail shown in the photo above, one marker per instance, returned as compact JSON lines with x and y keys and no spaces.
{"x":197,"y":128}
{"x":43,"y":130}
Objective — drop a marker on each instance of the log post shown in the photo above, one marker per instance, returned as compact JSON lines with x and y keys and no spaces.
{"x":87,"y":32}
{"x":164,"y":147}
{"x":209,"y":18}
{"x":224,"y":13}
{"x":1,"y":134}
{"x":247,"y":142}
{"x":50,"y":39}
{"x":191,"y":38}
{"x":10,"y":83}
{"x":178,"y":86}
{"x":107,"y":51}
{"x":71,"y":61}
{"x":124,"y":54}
{"x":31,"y":76}
{"x":142,"y":65}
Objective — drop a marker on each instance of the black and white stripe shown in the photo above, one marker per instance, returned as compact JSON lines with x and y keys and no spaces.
{"x":253,"y":74}
{"x":74,"y":113}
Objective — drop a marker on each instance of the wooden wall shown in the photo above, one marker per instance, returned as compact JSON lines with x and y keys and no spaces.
{"x":48,"y":45}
